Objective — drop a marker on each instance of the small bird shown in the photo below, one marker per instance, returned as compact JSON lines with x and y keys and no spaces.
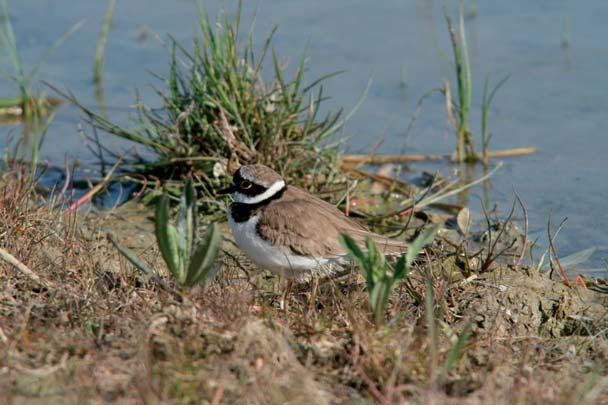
{"x":290,"y":232}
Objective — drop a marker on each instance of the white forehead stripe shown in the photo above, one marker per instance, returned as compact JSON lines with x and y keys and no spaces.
{"x":246,"y":199}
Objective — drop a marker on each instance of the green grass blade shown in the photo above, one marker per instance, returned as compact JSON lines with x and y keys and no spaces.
{"x":10,"y":44}
{"x":360,"y":258}
{"x":352,"y":248}
{"x":132,"y":257}
{"x":101,"y":42}
{"x":456,"y":350}
{"x":420,"y":242}
{"x":467,"y":69}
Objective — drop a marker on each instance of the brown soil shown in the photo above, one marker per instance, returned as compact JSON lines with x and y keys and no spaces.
{"x":102,"y":332}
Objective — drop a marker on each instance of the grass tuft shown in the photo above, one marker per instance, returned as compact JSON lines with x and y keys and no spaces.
{"x":219,"y":113}
{"x":465,"y":148}
{"x":459,"y":106}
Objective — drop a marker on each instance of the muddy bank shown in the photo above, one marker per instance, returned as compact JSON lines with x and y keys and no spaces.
{"x":105,"y":332}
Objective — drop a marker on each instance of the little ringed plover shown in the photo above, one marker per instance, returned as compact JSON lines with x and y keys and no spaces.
{"x":290,"y":232}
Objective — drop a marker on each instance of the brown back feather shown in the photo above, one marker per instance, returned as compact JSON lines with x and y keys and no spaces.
{"x":310,"y":226}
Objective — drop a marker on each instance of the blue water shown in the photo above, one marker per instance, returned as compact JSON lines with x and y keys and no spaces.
{"x":555,"y":100}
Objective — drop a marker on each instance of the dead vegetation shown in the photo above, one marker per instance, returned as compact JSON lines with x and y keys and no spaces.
{"x":94,"y":329}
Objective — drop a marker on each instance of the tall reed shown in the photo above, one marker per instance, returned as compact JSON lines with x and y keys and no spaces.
{"x":101,"y":42}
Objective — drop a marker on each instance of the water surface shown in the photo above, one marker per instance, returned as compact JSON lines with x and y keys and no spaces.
{"x":555,"y":100}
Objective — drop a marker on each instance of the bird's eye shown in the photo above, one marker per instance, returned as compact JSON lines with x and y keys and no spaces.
{"x":246,"y":185}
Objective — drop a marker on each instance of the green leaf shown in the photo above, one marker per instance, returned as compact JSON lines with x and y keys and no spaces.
{"x":456,"y":351}
{"x":401,"y":270}
{"x":376,"y":263}
{"x":204,"y":257}
{"x":174,"y":252}
{"x":186,"y":222}
{"x":378,"y":299}
{"x":166,"y":236}
{"x":420,"y":242}
{"x":361,"y":259}
{"x":132,"y":257}
{"x":352,"y":248}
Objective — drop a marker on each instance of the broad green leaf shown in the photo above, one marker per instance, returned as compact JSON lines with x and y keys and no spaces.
{"x":204,"y":257}
{"x":174,"y":253}
{"x":163,"y":237}
{"x":420,"y":242}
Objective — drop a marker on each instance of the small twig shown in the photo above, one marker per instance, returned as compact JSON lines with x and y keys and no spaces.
{"x":219,"y":393}
{"x":554,"y":253}
{"x":9,"y":258}
{"x":491,"y":257}
{"x":89,"y":195}
{"x":525,"y":211}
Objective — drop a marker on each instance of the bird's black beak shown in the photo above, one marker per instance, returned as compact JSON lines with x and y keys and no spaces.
{"x":227,"y":190}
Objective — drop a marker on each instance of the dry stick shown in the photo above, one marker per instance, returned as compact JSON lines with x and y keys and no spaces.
{"x":89,"y":195}
{"x":525,"y":211}
{"x":219,"y":393}
{"x":9,"y":258}
{"x":381,"y":159}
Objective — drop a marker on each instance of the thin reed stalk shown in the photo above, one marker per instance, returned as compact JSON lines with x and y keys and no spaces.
{"x":101,"y":42}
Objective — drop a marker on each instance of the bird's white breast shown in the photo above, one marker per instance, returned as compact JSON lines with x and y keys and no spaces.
{"x":277,"y":259}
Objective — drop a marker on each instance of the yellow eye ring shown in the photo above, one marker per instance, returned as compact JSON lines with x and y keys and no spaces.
{"x":246,"y":185}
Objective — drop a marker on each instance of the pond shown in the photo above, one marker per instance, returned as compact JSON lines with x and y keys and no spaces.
{"x":555,"y":99}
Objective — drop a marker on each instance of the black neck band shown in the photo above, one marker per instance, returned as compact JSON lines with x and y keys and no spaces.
{"x":241,"y":212}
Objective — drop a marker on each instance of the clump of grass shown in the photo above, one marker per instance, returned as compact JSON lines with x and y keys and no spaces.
{"x":219,"y":112}
{"x":459,"y":107}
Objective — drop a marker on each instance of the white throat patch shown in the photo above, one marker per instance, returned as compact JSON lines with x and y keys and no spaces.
{"x":272,"y":190}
